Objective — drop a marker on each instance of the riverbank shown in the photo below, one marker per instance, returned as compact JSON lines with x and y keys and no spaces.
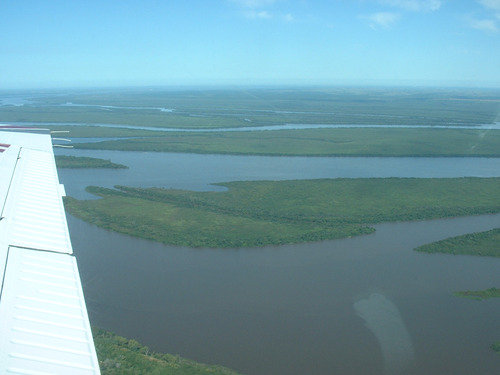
{"x":119,"y":355}
{"x":65,"y":161}
{"x":483,"y":243}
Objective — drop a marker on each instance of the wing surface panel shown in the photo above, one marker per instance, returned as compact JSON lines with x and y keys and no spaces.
{"x":8,"y":160}
{"x":34,"y":210}
{"x":44,"y":326}
{"x":44,"y":315}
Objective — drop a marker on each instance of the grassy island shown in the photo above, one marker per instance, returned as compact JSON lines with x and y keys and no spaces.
{"x":260,"y":213}
{"x":120,"y":356}
{"x":479,"y":294}
{"x":63,"y":161}
{"x":481,"y":243}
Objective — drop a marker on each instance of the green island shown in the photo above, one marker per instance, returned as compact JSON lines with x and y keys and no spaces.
{"x":481,"y":243}
{"x":64,"y":161}
{"x":121,"y":356}
{"x":478,"y":244}
{"x":479,"y":294}
{"x":260,"y":213}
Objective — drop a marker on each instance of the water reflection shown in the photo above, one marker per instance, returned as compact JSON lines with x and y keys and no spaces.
{"x":383,"y":319}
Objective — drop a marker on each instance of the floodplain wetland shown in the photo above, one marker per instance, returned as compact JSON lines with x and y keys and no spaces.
{"x":259,"y":279}
{"x":408,"y":122}
{"x":219,"y":108}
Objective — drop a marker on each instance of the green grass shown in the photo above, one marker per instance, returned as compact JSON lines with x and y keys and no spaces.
{"x":63,"y":161}
{"x":322,"y":142}
{"x":269,"y":213}
{"x":121,"y":356}
{"x":481,"y":243}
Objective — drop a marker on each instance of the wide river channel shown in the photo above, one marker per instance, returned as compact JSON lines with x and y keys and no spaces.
{"x":363,"y":305}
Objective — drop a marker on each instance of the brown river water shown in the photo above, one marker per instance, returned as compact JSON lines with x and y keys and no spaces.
{"x":363,"y":305}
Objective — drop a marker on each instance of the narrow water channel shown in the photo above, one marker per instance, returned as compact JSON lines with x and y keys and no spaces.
{"x":199,"y":172}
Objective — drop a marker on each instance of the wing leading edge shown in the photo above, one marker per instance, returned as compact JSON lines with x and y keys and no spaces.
{"x":44,"y":326}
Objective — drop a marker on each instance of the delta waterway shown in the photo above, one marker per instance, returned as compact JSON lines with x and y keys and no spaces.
{"x":364,"y":305}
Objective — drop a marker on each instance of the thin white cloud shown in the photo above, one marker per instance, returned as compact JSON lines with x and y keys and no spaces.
{"x":381,"y":19}
{"x":261,"y":10}
{"x":489,"y":25}
{"x":484,"y":25}
{"x":288,"y":17}
{"x":252,"y":14}
{"x":490,"y":4}
{"x":415,"y":5}
{"x":254,"y":4}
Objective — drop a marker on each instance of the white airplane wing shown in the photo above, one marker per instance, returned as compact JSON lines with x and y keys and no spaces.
{"x":44,"y":326}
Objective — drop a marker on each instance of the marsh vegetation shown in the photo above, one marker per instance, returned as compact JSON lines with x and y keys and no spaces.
{"x":204,"y":109}
{"x":483,"y":243}
{"x":480,"y":294}
{"x":263,"y":213}
{"x":65,"y":161}
{"x":415,"y":122}
{"x":121,"y":356}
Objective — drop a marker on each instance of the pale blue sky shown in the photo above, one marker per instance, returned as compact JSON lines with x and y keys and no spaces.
{"x":55,"y":43}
